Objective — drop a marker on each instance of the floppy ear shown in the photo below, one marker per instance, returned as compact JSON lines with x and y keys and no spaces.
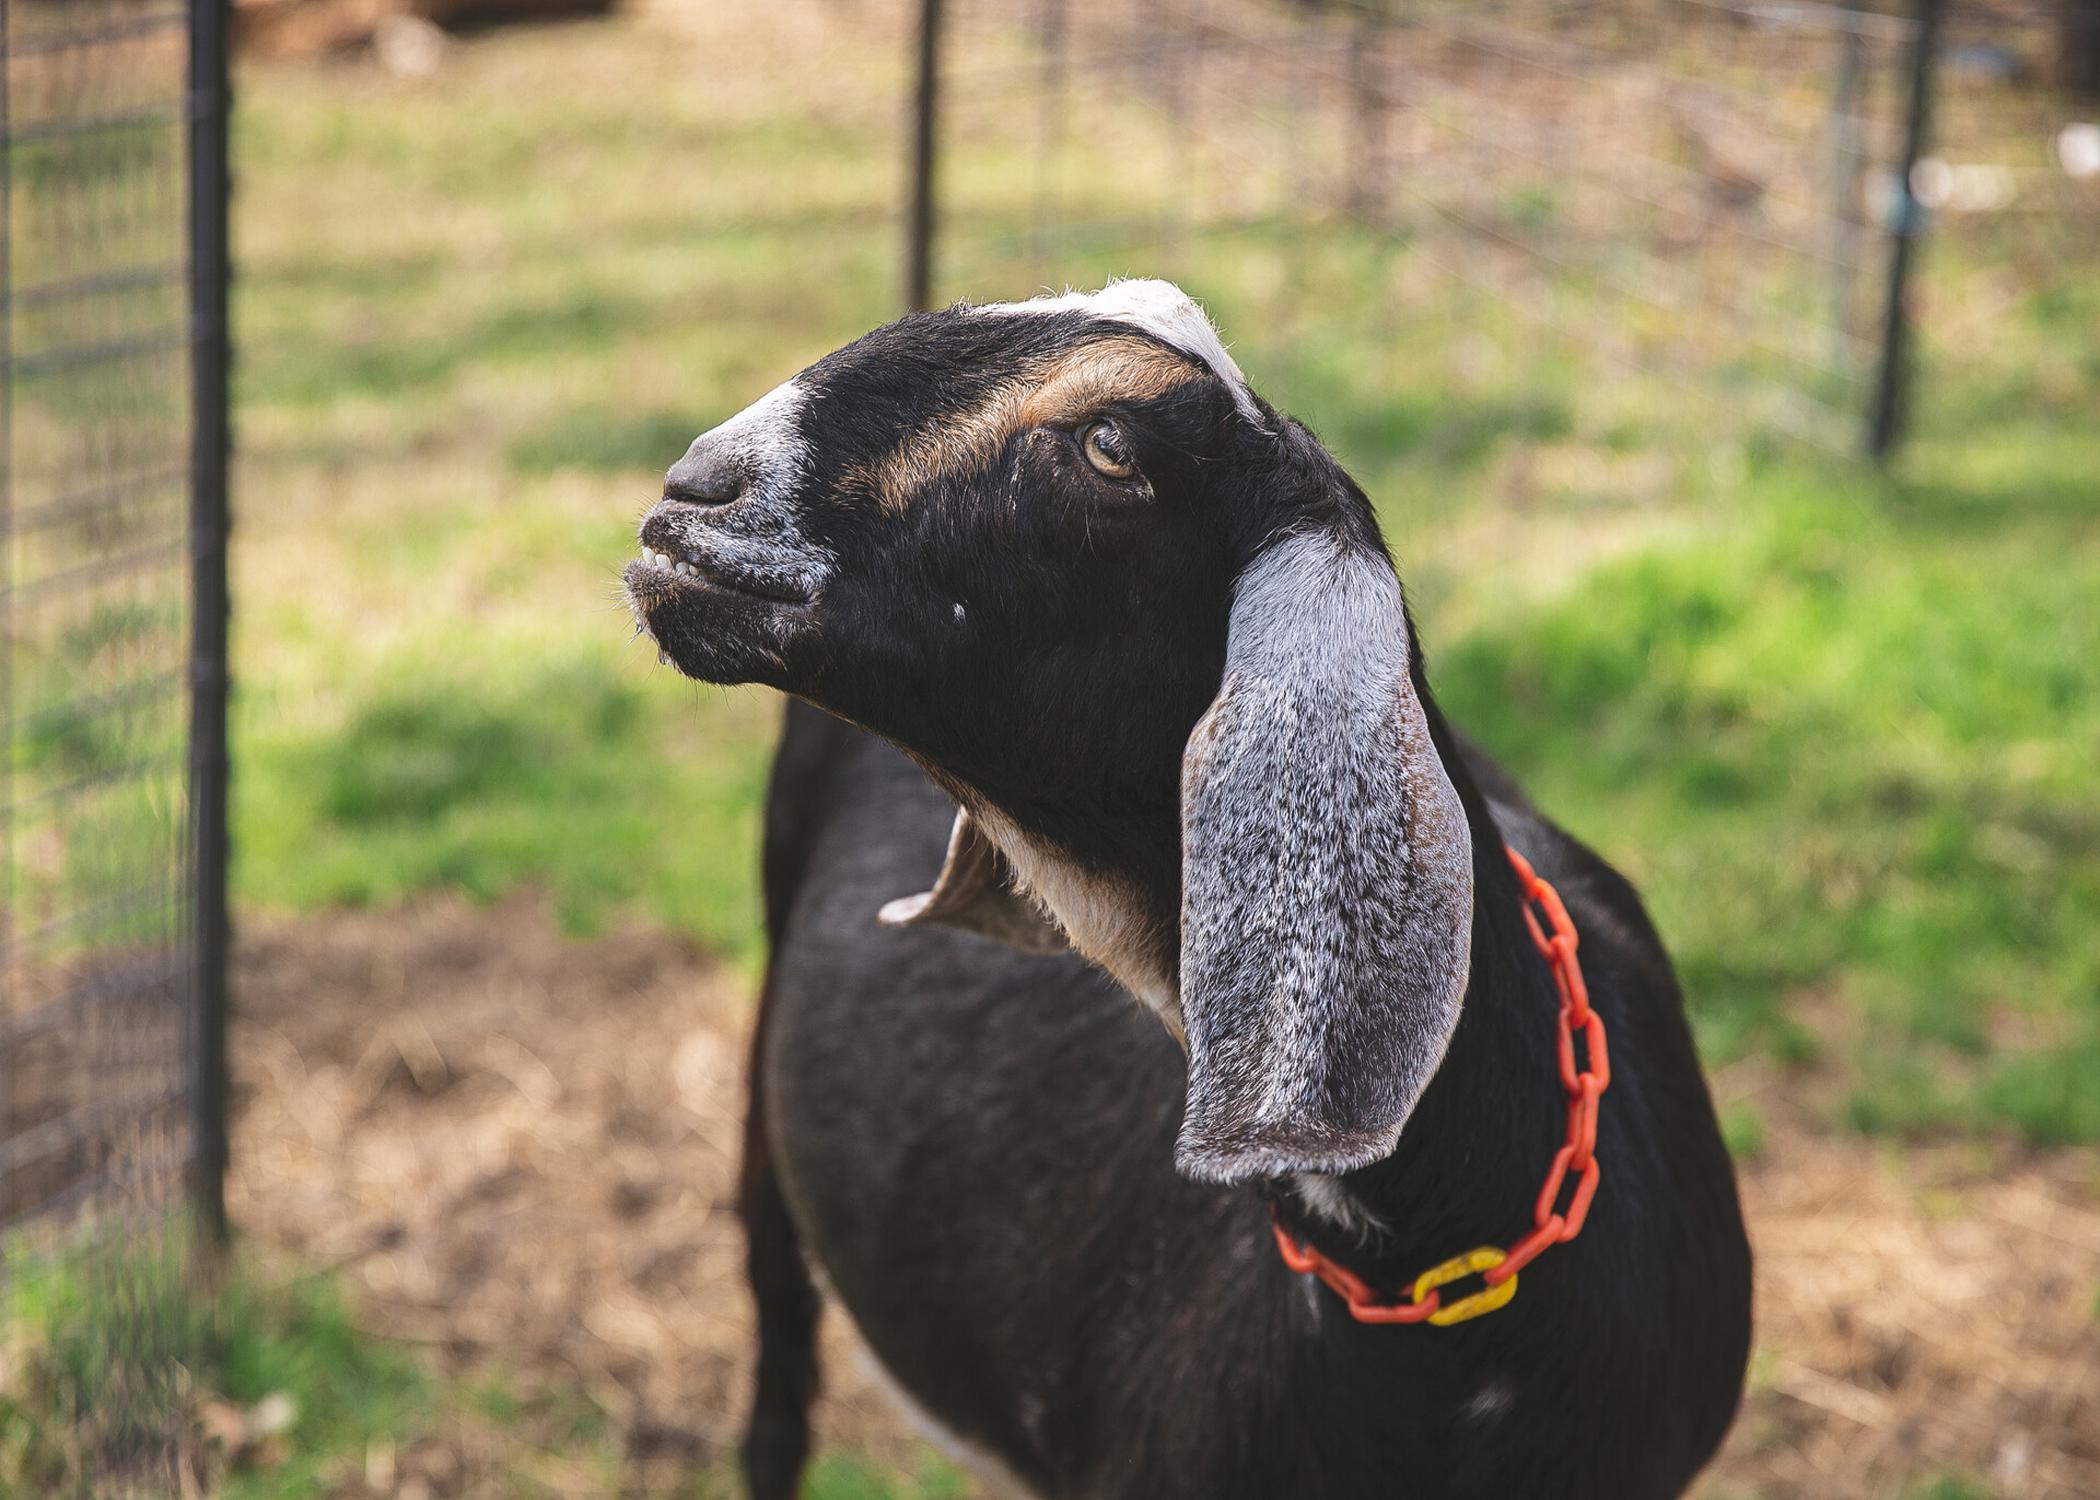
{"x":1327,"y":877}
{"x":975,"y":891}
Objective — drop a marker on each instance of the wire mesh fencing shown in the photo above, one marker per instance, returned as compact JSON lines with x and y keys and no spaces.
{"x":112,"y":481}
{"x":1710,"y":195}
{"x":2009,"y":191}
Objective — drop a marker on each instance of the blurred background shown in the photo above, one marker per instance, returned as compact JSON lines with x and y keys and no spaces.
{"x":1728,"y":378}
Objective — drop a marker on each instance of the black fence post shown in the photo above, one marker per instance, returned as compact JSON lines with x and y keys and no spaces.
{"x":210,"y":446}
{"x":7,"y":563}
{"x":1906,"y":227}
{"x":918,"y":275}
{"x":1369,"y":111}
{"x":1848,"y":150}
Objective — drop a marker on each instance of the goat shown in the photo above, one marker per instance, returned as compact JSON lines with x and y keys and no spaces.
{"x":1142,"y":636}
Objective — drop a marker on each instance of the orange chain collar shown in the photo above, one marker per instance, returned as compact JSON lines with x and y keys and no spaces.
{"x":1496,"y":1268}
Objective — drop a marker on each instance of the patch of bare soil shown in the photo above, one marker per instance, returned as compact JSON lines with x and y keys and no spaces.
{"x":1920,"y":1311}
{"x":521,"y":1152}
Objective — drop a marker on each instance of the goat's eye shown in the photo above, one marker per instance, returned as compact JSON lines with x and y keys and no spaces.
{"x":1108,"y":450}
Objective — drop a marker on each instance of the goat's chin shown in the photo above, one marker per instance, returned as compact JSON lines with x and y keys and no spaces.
{"x":717,"y":634}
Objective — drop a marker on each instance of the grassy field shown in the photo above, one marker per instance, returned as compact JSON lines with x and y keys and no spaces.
{"x":121,"y":1372}
{"x":1841,"y":728}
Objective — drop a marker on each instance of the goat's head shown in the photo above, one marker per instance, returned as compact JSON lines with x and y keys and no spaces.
{"x":1146,"y":632}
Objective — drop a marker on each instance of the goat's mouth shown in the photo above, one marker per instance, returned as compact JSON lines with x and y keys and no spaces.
{"x":656,"y":578}
{"x":715,"y":623}
{"x":727,"y":592}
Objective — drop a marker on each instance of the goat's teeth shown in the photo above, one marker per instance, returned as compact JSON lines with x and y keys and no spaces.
{"x":684,"y":570}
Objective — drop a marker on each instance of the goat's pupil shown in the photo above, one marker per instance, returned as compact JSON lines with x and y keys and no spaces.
{"x":1106,"y":446}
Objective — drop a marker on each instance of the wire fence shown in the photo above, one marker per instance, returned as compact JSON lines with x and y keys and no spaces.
{"x":1720,"y":194}
{"x":112,"y":448}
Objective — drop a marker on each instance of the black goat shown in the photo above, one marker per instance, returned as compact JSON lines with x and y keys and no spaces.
{"x":1144,"y":631}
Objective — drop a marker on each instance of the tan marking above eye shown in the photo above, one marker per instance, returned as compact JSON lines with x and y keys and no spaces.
{"x":1115,"y":369}
{"x":1057,"y":393}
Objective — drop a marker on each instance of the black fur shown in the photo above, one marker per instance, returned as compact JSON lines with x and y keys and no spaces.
{"x":976,"y":1145}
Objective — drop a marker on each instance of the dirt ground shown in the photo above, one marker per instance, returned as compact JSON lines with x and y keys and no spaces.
{"x":520,"y":1151}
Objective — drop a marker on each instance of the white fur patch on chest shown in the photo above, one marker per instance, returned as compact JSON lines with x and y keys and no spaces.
{"x":1101,"y":915}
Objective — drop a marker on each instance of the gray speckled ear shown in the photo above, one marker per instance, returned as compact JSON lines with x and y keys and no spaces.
{"x":1327,"y":878}
{"x":975,"y":892}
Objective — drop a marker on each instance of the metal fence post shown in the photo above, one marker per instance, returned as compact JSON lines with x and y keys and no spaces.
{"x":1368,"y":118}
{"x":1848,"y":150}
{"x":918,"y":289}
{"x":210,"y":444}
{"x":7,"y":564}
{"x":1906,"y":227}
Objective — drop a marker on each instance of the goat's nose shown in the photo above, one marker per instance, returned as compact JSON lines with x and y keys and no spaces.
{"x":707,"y":476}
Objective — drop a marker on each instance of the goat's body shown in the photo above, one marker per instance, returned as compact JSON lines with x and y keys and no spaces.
{"x":976,"y":1148}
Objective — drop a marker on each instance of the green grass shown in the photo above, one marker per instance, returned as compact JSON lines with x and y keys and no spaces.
{"x":1950,"y":1487}
{"x":113,"y":1351}
{"x":553,"y":769}
{"x":1845,"y":760}
{"x":1844,"y":730}
{"x":110,"y":1355}
{"x":477,"y":319}
{"x":835,"y":1476}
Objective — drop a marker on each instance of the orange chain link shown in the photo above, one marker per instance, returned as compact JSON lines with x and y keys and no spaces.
{"x":1551,"y":1225}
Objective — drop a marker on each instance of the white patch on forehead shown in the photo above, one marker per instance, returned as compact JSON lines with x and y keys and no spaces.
{"x":1159,"y":308}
